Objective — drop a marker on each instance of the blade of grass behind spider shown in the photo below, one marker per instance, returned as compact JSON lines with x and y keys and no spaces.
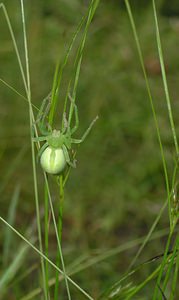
{"x":55,"y":90}
{"x":78,"y":60}
{"x":10,"y":219}
{"x":151,"y":103}
{"x":59,"y":72}
{"x":54,"y":98}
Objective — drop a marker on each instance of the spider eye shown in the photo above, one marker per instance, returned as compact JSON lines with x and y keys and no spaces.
{"x":53,"y":160}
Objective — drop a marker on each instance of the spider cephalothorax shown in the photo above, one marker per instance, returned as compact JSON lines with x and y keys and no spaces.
{"x":54,"y":154}
{"x":56,"y":139}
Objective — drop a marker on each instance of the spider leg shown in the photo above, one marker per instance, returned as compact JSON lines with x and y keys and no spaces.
{"x":76,"y":115}
{"x":67,"y":158}
{"x":65,"y":123}
{"x":41,"y":150}
{"x":39,"y":139}
{"x":78,"y":141}
{"x":42,"y":115}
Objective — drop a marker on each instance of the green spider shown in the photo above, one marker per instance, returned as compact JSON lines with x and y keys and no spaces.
{"x":54,"y":154}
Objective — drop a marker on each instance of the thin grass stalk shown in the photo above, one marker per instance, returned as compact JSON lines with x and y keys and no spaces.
{"x":76,"y":59}
{"x":165,"y":79}
{"x":59,"y":72}
{"x":18,"y":93}
{"x":163,"y":264}
{"x":160,"y":52}
{"x":15,"y":45}
{"x":46,"y":230}
{"x":170,"y":265}
{"x":175,"y":277}
{"x":55,"y":91}
{"x":58,"y":239}
{"x":60,"y":224}
{"x":159,"y":138}
{"x":32,"y":148}
{"x":32,"y":120}
{"x":147,"y":238}
{"x":151,"y":103}
{"x":26,"y":85}
{"x":13,"y":89}
{"x":169,"y":112}
{"x":79,"y":56}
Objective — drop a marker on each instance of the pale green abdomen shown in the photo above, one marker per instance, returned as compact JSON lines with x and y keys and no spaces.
{"x":53,"y":160}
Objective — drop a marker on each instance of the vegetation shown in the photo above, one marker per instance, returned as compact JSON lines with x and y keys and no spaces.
{"x":108,"y":228}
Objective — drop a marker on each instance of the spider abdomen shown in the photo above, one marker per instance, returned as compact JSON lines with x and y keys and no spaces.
{"x":53,"y":160}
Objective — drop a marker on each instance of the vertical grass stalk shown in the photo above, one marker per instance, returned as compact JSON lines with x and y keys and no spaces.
{"x":160,"y":52}
{"x":60,"y":224}
{"x":31,"y":117}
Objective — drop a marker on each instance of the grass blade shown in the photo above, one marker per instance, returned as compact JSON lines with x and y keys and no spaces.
{"x":160,"y":52}
{"x":59,"y":72}
{"x":31,"y":119}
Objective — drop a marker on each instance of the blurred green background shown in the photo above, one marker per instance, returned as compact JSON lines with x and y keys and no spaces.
{"x":118,"y":188}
